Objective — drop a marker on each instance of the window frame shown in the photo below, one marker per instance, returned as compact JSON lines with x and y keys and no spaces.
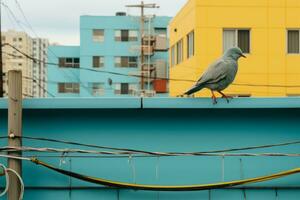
{"x":287,"y":40}
{"x":129,"y":63}
{"x":131,"y":88}
{"x":118,"y":37}
{"x":100,"y":64}
{"x":98,"y":40}
{"x":181,"y":49}
{"x":236,"y":30}
{"x":70,"y":64}
{"x":192,"y":33}
{"x":173,"y":55}
{"x":74,"y":89}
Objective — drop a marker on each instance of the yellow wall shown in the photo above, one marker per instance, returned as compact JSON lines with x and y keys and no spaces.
{"x":268,"y":62}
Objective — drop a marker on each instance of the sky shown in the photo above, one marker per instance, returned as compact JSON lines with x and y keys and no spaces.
{"x":58,"y":20}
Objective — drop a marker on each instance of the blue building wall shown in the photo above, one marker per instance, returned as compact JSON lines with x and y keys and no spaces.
{"x":62,"y":75}
{"x":109,"y":49}
{"x":184,"y":125}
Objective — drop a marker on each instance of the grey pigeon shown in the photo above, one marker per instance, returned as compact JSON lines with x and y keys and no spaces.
{"x":219,"y":74}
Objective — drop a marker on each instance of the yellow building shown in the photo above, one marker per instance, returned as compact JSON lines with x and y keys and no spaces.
{"x":266,"y":30}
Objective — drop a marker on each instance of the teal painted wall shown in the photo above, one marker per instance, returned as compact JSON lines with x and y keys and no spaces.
{"x":109,"y":49}
{"x":159,"y":129}
{"x":61,"y":75}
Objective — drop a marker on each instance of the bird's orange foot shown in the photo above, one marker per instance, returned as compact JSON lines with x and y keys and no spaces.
{"x":224,"y":96}
{"x":228,"y":98}
{"x":214,"y":100}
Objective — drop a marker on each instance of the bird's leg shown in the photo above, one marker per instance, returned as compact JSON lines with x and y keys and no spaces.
{"x":214,"y":98}
{"x":225,"y":96}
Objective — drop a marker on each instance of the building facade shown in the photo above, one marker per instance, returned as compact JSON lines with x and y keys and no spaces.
{"x":12,"y":59}
{"x":266,"y":30}
{"x":108,"y":61}
{"x":39,"y":72}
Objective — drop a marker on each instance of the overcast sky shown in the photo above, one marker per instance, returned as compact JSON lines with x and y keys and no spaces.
{"x":58,"y":20}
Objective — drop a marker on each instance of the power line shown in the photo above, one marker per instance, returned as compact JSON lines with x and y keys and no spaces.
{"x":13,"y":16}
{"x":39,"y":85}
{"x":32,"y":30}
{"x":139,"y":76}
{"x":159,"y":154}
{"x":116,"y":73}
{"x":156,"y":153}
{"x":24,"y":16}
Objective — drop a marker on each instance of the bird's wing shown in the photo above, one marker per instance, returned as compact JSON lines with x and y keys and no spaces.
{"x":214,"y":73}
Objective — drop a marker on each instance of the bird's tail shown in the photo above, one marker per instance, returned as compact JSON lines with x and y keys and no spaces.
{"x":194,"y":89}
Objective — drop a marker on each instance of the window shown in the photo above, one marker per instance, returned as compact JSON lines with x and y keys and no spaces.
{"x":98,"y":61}
{"x":126,"y":35}
{"x":179,"y":51}
{"x":236,"y":37}
{"x":20,"y":39}
{"x":98,"y":35}
{"x":68,"y":88}
{"x":293,"y":42}
{"x":173,"y":56}
{"x":69,"y":62}
{"x":97,"y":89}
{"x":125,"y":88}
{"x":190,"y":44}
{"x":125,"y":61}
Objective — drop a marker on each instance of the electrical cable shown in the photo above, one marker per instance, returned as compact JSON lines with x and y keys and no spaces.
{"x":5,"y":171}
{"x":154,"y":153}
{"x":20,"y":180}
{"x":6,"y":179}
{"x":158,"y":187}
{"x":39,"y":85}
{"x":197,"y":187}
{"x":142,"y":76}
{"x":116,"y":184}
{"x":24,"y":16}
{"x":15,"y":157}
{"x":162,"y":154}
{"x":13,"y":16}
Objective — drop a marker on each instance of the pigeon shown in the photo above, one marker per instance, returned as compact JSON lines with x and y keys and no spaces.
{"x":220,"y":74}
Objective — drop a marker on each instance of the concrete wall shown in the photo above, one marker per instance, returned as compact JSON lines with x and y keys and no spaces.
{"x":161,"y":125}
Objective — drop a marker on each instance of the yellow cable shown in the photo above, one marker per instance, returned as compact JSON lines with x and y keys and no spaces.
{"x":168,"y":188}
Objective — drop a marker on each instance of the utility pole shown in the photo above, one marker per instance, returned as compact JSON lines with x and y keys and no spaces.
{"x":142,"y":6}
{"x":14,"y":129}
{"x":1,"y":62}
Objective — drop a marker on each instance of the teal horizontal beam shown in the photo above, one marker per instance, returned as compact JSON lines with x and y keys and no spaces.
{"x":203,"y":103}
{"x":155,"y":103}
{"x":78,"y":103}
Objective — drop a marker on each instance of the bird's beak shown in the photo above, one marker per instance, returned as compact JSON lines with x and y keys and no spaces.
{"x":243,"y":56}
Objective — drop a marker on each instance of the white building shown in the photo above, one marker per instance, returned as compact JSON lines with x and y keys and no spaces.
{"x":34,"y":73}
{"x":12,"y":59}
{"x":39,"y":72}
